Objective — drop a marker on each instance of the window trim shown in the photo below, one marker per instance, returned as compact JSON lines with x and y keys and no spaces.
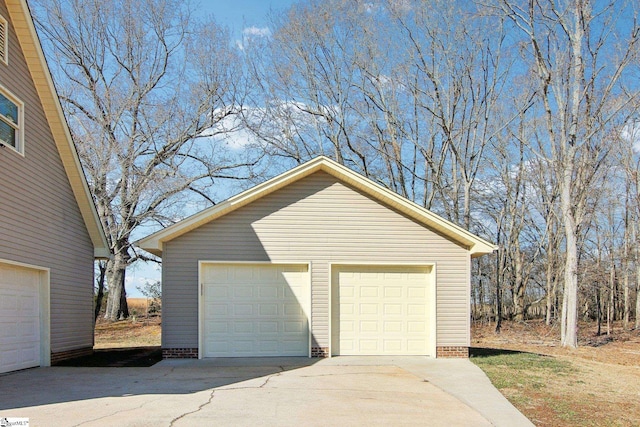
{"x":19,"y":148}
{"x":4,"y":26}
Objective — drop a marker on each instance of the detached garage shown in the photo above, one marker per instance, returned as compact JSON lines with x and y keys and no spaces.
{"x":318,"y":261}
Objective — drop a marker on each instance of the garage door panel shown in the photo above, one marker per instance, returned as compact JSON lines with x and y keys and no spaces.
{"x":392,"y":292}
{"x":369,"y":327}
{"x":242,"y":292}
{"x":218,"y":327}
{"x":416,"y":310}
{"x":293,"y":310}
{"x":214,"y":310}
{"x":242,"y":309}
{"x":393,"y":309}
{"x":369,"y":309}
{"x":268,"y":291}
{"x":268,"y":327}
{"x":295,"y":327}
{"x":380,"y":310}
{"x":268,"y":309}
{"x":347,"y":308}
{"x":418,"y":327}
{"x":393,"y":327}
{"x":369,"y":346}
{"x":241,"y":327}
{"x":265,"y":310}
{"x":416,"y":292}
{"x":392,"y":346}
{"x":369,"y":292}
{"x":346,"y":327}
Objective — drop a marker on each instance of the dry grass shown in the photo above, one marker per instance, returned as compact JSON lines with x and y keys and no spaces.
{"x":596,"y":384}
{"x":139,"y":307}
{"x":139,"y":330}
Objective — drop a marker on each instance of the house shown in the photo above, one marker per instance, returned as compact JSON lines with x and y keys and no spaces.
{"x":50,"y":232}
{"x":318,"y":261}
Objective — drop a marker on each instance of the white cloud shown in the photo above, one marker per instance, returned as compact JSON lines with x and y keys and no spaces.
{"x":231,"y":132}
{"x":276,"y":119}
{"x":256,"y":32}
{"x":631,"y":134}
{"x":252,"y":33}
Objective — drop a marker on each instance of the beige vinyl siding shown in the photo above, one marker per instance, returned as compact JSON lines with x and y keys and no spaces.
{"x":40,"y":222}
{"x":323,"y":221}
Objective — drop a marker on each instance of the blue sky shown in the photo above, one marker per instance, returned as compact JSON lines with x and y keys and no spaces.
{"x":237,"y":15}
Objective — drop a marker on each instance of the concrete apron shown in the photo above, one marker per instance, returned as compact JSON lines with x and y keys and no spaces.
{"x":261,"y":391}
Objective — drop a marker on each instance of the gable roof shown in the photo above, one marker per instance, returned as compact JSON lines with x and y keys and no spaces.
{"x":475,"y":244}
{"x":32,"y":50}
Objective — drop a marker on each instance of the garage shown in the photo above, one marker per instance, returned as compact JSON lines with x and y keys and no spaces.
{"x":20,"y":317}
{"x":317,"y":261}
{"x":382,"y":310}
{"x":254,"y":310}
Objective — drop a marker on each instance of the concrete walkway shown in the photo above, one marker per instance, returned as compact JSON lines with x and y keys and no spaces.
{"x":261,"y":391}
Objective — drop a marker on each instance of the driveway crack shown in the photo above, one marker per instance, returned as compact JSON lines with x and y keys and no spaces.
{"x":194,"y":411}
{"x":266,"y":381}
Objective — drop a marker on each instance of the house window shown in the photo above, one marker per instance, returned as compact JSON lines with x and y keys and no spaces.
{"x":11,"y":121}
{"x":4,"y":41}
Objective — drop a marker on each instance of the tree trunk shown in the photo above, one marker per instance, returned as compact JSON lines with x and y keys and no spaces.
{"x":117,"y":307}
{"x":637,"y":295}
{"x":519,"y":287}
{"x":102,"y":265}
{"x":569,"y":325}
{"x":625,"y":263}
{"x":611,"y":307}
{"x":635,"y":227}
{"x":627,"y":304}
{"x":499,"y":277}
{"x":550,"y":291}
{"x":599,"y":310}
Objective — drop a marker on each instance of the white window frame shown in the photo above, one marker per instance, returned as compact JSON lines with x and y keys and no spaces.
{"x":19,"y":148}
{"x":4,"y":47}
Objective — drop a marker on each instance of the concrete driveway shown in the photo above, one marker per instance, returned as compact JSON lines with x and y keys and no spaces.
{"x":385,"y":391}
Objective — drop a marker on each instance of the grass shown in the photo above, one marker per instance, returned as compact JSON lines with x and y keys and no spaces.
{"x":553,"y":391}
{"x":523,"y":377}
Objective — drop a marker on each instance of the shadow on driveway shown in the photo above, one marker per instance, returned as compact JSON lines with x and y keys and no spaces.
{"x":58,"y":384}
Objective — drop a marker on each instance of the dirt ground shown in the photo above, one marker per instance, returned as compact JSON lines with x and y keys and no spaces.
{"x":602,"y":386}
{"x":138,"y":332}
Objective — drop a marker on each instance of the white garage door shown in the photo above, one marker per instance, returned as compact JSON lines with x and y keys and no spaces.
{"x":380,"y":310}
{"x":255,"y":310}
{"x":19,"y":318}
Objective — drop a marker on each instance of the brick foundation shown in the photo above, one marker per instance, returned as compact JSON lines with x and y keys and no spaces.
{"x":452,"y":352}
{"x":179,"y":353}
{"x":70,"y":354}
{"x":319,"y":352}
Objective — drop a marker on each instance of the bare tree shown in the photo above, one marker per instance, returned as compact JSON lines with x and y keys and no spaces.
{"x":140,"y":80}
{"x":579,"y":66}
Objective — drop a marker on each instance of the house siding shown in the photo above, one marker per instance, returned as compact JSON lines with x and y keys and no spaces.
{"x":40,"y":221}
{"x":322,"y":221}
